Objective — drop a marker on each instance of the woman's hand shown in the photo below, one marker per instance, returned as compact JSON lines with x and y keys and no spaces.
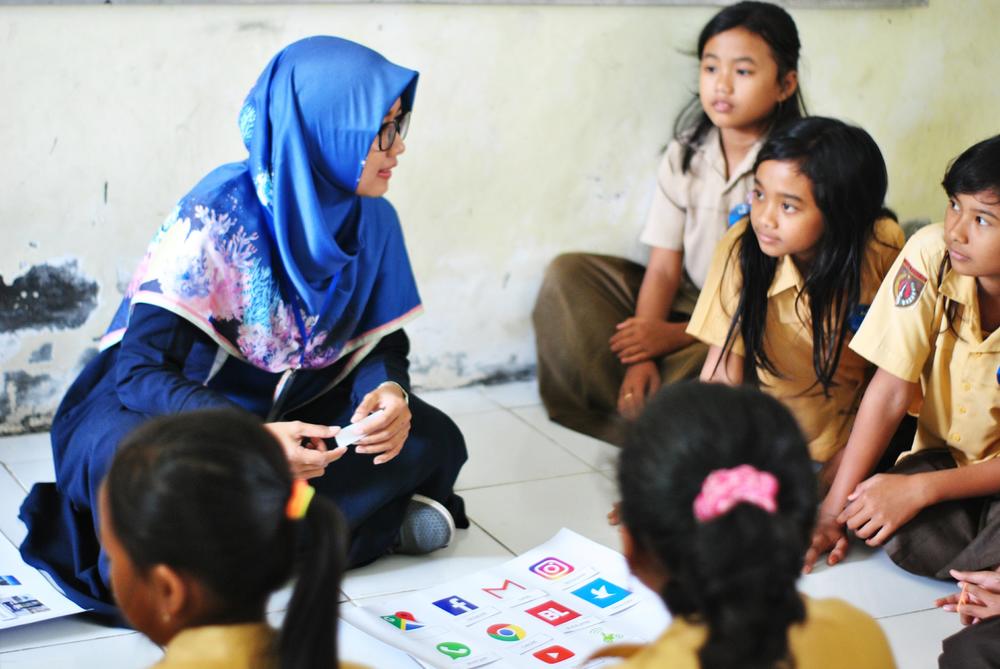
{"x":304,"y":447}
{"x":828,"y":535}
{"x":641,"y":380}
{"x":386,"y":434}
{"x":881,"y":505}
{"x":639,"y":339}
{"x":979,"y":599}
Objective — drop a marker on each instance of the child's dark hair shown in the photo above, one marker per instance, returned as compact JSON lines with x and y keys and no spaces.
{"x":776,"y":27}
{"x":849,"y":182}
{"x":205,"y":493}
{"x":737,"y":572}
{"x":976,"y":170}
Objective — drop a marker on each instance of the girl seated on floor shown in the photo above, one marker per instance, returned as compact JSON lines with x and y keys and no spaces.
{"x":789,"y":284}
{"x":718,"y":501}
{"x":202,"y":521}
{"x":609,"y":331}
{"x":933,"y":330}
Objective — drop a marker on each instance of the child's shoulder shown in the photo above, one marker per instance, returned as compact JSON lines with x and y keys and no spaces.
{"x":925,"y":251}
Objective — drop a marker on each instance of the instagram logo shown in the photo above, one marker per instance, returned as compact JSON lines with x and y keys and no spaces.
{"x":551,"y":568}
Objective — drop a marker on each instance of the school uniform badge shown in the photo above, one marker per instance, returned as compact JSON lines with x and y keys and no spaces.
{"x":908,"y":285}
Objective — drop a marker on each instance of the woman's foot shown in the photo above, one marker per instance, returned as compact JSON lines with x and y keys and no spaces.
{"x":427,"y":526}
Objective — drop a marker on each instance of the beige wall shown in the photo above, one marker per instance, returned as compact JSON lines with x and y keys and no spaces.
{"x":537,"y":130}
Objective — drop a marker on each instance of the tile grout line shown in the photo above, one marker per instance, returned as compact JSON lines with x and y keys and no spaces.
{"x":523,"y":420}
{"x":490,"y":535}
{"x":538,"y":480}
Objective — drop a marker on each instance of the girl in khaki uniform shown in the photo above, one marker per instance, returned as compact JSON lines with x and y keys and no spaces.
{"x":934,"y":327}
{"x":788,"y":286}
{"x":718,"y":501}
{"x":202,"y":521}
{"x":610,"y":331}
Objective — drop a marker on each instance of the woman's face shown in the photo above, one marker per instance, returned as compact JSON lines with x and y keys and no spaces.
{"x":377,"y":171}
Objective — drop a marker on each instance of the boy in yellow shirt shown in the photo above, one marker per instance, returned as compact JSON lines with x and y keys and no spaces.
{"x":933,"y":330}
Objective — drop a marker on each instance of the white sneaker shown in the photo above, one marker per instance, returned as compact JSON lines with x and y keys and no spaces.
{"x":427,"y":526}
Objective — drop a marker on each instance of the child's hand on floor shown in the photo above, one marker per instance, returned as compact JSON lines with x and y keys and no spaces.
{"x":614,"y":515}
{"x":881,"y":505}
{"x":979,"y":599}
{"x":828,"y":535}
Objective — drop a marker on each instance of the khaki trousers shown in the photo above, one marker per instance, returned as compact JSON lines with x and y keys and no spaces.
{"x":582,"y":298}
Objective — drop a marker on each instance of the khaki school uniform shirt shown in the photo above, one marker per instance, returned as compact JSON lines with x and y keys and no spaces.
{"x":906,"y":333}
{"x":246,"y":646}
{"x":690,"y":210}
{"x":825,"y":421}
{"x":835,"y":635}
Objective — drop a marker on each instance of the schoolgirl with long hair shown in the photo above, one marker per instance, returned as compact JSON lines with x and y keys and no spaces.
{"x":790,"y":284}
{"x":718,"y":501}
{"x":610,"y":331}
{"x":202,"y":521}
{"x":934,"y":334}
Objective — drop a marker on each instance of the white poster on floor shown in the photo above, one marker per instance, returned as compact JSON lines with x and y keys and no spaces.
{"x":553,"y":606}
{"x":26,"y":596}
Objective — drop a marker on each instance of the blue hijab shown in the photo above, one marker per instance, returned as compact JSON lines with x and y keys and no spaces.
{"x":276,"y":258}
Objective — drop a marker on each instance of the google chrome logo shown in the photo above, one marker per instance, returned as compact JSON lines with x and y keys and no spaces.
{"x":506,"y":632}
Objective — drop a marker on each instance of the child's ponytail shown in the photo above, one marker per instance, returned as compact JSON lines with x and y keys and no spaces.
{"x":733,"y":569}
{"x":747,"y":593}
{"x":308,"y":638}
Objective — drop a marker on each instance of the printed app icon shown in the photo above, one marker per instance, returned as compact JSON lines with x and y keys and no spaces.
{"x":502,"y":591}
{"x":506,"y":632}
{"x":553,"y":654}
{"x":551,"y":568}
{"x":553,"y":613}
{"x":404,"y":620}
{"x":602,"y":593}
{"x":454,"y":650}
{"x":605,"y":635}
{"x":454,"y":605}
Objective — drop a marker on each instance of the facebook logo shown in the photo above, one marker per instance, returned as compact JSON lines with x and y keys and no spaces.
{"x":456,"y":606}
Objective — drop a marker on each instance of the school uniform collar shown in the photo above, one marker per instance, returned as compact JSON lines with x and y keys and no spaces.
{"x":716,"y":159}
{"x":786,"y":277}
{"x":964,"y":290}
{"x":233,"y":646}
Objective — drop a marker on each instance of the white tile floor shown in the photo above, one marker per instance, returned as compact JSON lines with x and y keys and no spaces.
{"x":526,"y":478}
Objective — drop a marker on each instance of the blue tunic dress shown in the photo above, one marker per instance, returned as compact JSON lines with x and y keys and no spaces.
{"x":166,"y":365}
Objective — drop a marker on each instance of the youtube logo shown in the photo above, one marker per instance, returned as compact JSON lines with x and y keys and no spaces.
{"x":553,"y":654}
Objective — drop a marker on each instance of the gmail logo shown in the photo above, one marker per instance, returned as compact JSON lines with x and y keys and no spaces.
{"x":504,"y":590}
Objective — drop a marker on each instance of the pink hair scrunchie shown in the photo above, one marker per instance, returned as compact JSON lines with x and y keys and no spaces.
{"x":725,"y":488}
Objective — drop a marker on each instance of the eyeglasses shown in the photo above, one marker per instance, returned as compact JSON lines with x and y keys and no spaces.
{"x":388,"y":132}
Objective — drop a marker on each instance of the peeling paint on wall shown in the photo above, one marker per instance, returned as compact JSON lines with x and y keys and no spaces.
{"x":41,"y":354}
{"x":21,"y":400}
{"x":47,"y":296}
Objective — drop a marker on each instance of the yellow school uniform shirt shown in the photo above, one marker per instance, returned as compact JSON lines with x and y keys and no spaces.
{"x":906,"y":333}
{"x":835,"y":635}
{"x":825,"y":421}
{"x":246,"y":646}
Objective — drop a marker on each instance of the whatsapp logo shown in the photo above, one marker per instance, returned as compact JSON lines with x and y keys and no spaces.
{"x":454,"y":650}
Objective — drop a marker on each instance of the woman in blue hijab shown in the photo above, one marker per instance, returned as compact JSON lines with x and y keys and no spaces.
{"x":280,"y":286}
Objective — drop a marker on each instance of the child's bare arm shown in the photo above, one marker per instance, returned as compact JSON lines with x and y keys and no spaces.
{"x":722,"y":367}
{"x":647,"y":334}
{"x":882,"y":408}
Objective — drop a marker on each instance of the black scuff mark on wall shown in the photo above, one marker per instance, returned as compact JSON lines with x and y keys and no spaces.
{"x":47,"y":296}
{"x":27,"y":402}
{"x":42,"y":354}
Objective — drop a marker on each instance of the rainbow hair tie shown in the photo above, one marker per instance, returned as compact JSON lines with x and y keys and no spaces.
{"x":298,"y":501}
